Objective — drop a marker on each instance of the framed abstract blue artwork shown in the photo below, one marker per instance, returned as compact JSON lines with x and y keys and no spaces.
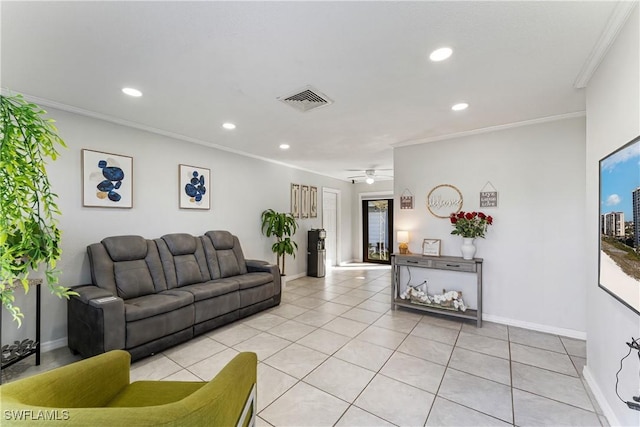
{"x":619,"y":255}
{"x":194,"y":185}
{"x":107,"y":180}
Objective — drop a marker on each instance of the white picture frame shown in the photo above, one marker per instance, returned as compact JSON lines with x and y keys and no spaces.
{"x":313,"y":207}
{"x":295,"y":200}
{"x":107,"y":180}
{"x":195,"y":183}
{"x":431,"y":247}
{"x":304,"y":201}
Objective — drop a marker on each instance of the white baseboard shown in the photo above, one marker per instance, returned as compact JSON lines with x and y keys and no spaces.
{"x":288,"y":278}
{"x":52,"y":345}
{"x":571,"y":333}
{"x":602,"y":402}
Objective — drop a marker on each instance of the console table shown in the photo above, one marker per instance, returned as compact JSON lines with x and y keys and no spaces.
{"x":457,"y":264}
{"x":22,"y":349}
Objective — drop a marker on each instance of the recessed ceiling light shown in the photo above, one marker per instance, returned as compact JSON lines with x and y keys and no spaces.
{"x":131,"y":92}
{"x":229,"y":126}
{"x":284,"y":146}
{"x":440,"y":54}
{"x":461,"y":106}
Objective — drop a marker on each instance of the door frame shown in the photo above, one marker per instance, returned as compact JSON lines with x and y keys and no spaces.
{"x":338,"y":194}
{"x":371,"y":195}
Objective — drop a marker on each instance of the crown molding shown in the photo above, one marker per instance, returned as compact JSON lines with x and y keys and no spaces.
{"x":110,"y":119}
{"x":616,"y":21}
{"x":491,"y":129}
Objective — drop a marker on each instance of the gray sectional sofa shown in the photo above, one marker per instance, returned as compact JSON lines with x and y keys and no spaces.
{"x":148,"y":295}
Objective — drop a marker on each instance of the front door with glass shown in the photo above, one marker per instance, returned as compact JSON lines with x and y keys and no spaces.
{"x":377,"y":221}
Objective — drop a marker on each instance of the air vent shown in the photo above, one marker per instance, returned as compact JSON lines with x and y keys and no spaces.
{"x":306,"y":99}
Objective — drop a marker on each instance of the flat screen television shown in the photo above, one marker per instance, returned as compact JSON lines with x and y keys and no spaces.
{"x":619,"y":254}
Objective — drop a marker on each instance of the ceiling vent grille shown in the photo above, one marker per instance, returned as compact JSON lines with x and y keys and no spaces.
{"x":306,"y":99}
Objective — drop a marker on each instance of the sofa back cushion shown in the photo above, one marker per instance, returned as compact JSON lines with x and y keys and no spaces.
{"x":133,"y":279}
{"x":183,"y":259}
{"x":127,"y":266}
{"x":230,"y":259}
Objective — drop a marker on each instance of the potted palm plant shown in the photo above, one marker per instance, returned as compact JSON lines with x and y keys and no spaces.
{"x":282,"y":226}
{"x":29,"y":236}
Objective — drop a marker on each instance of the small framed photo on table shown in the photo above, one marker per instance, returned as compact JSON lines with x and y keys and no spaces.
{"x":431,"y":247}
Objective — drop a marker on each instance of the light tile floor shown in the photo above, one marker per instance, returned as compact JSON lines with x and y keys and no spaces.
{"x":334,"y":353}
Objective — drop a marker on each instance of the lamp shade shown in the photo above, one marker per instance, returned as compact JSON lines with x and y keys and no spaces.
{"x":403,"y":236}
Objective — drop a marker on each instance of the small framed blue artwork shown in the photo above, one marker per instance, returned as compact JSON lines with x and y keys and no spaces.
{"x":107,"y":180}
{"x":194,"y":185}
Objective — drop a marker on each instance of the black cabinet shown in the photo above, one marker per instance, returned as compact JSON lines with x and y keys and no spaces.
{"x":316,"y":253}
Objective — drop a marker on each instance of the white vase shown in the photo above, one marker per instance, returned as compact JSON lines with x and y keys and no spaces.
{"x":468,"y":249}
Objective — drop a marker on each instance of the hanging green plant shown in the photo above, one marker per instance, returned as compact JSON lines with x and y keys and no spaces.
{"x":29,"y":237}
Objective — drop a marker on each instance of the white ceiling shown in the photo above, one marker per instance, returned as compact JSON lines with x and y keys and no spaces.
{"x":200,"y":64}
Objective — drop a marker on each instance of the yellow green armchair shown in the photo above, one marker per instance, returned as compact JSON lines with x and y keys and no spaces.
{"x":97,"y":392}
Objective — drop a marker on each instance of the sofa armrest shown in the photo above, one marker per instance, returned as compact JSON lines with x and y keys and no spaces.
{"x":95,"y":321}
{"x":91,"y":382}
{"x":254,"y":265}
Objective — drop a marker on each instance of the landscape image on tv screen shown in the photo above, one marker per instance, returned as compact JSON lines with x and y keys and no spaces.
{"x":619,"y":268}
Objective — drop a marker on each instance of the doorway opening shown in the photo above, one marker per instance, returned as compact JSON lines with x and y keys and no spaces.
{"x":331,"y":224}
{"x":377,"y":230}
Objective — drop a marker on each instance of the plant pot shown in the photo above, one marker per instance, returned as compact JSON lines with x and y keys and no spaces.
{"x":468,"y":249}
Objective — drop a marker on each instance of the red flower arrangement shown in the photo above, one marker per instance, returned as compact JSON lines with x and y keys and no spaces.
{"x":470,"y":224}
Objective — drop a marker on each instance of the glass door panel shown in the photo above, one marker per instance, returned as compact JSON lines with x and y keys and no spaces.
{"x":377,"y":221}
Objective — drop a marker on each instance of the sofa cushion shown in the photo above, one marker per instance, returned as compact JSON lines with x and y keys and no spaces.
{"x":132,"y":279}
{"x":187,"y":270}
{"x":125,"y":248}
{"x":212,"y":288}
{"x":228,"y":263}
{"x":221,"y":239}
{"x":228,"y":252}
{"x":161,"y":327}
{"x":152,"y":305}
{"x":126,"y":266}
{"x":183,"y":259}
{"x":256,"y":294}
{"x":211,"y":257}
{"x":251,"y":280}
{"x":180,"y":243}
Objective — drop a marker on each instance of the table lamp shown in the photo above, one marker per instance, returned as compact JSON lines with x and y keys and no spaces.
{"x":403,"y":239}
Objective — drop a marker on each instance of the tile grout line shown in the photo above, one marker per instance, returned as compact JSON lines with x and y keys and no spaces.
{"x":446,"y":367}
{"x":351,"y":339}
{"x":301,"y":380}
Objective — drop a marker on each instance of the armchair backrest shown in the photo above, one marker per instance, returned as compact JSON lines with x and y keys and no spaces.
{"x":74,"y":385}
{"x":96,"y":392}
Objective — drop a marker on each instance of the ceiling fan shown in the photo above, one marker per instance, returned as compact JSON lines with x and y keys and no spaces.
{"x":369,"y":176}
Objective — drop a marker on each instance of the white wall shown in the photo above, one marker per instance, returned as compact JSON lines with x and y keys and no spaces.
{"x":533,"y":254}
{"x":613,"y":118}
{"x":241,"y":188}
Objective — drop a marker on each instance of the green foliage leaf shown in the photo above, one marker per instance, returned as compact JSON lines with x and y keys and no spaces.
{"x":30,"y":236}
{"x":282,"y":226}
